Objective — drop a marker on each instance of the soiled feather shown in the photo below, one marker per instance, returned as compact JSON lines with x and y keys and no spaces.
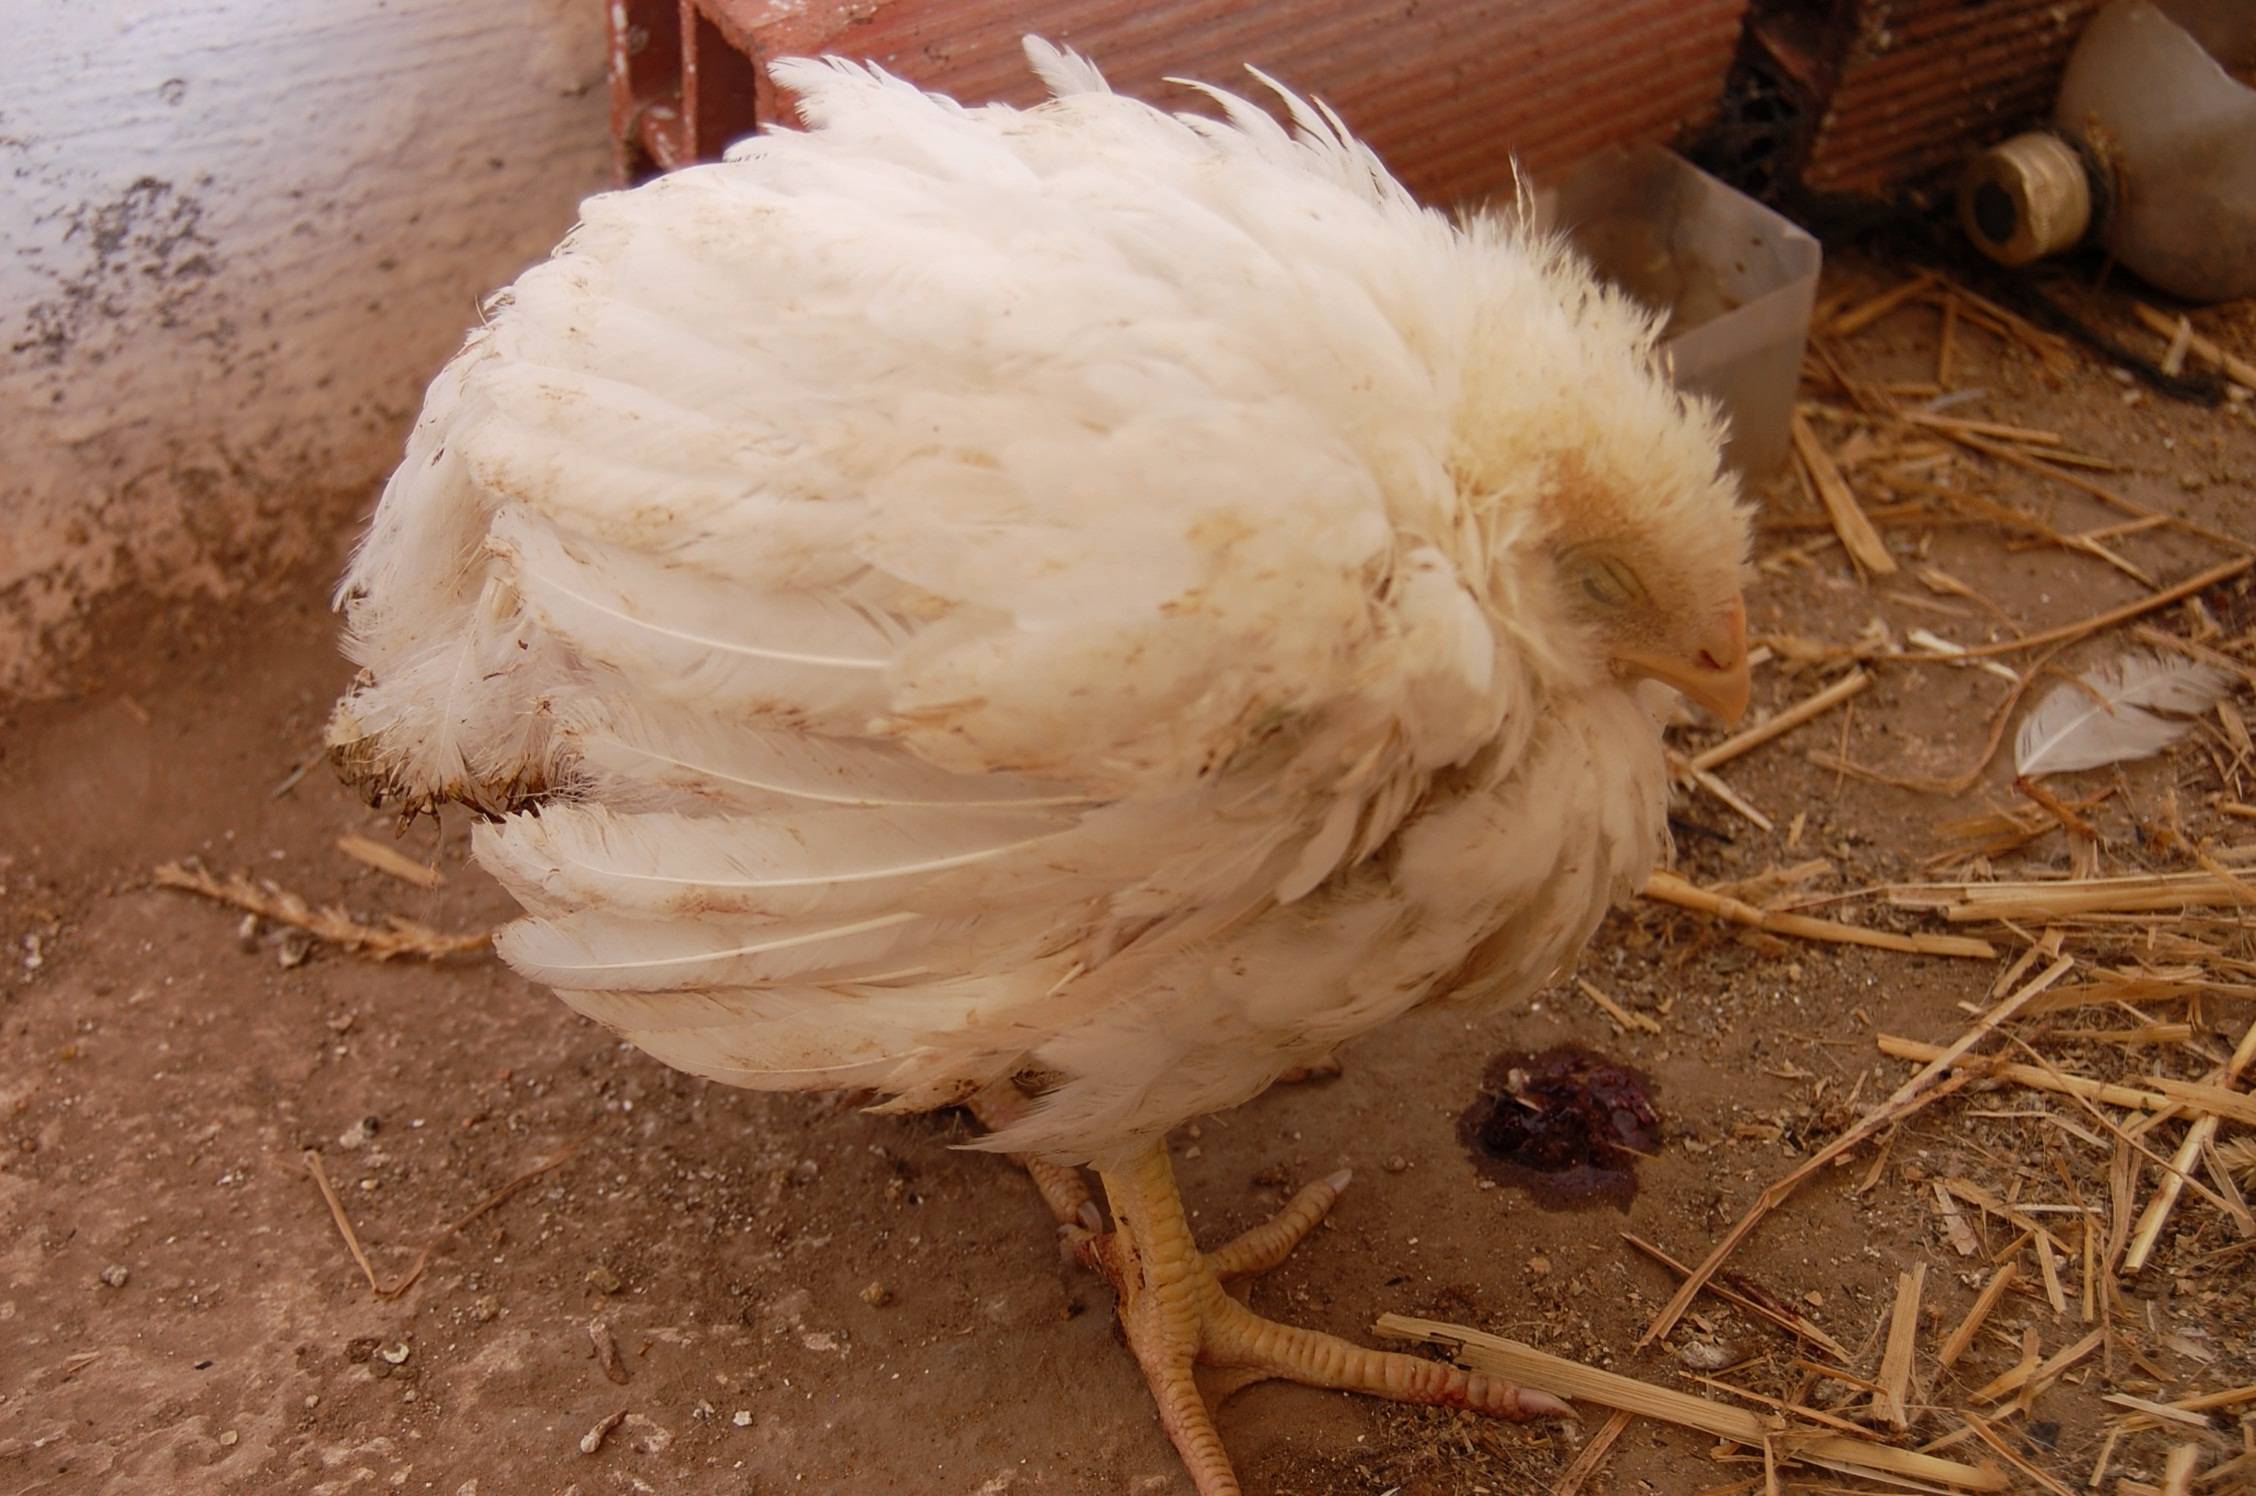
{"x":664,"y":755}
{"x":2115,"y":713}
{"x":703,"y":638}
{"x":614,"y":953}
{"x":826,"y":860}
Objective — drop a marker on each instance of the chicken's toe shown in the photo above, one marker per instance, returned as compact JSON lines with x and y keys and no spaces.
{"x":1323,"y":1069}
{"x":1271,"y":1242}
{"x":1062,"y":1189}
{"x":1197,"y":1344}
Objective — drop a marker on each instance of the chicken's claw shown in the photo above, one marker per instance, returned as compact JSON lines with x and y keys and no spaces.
{"x":1198,"y":1345}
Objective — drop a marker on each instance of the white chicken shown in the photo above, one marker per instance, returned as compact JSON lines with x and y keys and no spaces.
{"x":1080,"y":610}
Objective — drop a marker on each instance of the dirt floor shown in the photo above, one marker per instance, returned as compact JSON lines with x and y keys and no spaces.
{"x":803,"y":1297}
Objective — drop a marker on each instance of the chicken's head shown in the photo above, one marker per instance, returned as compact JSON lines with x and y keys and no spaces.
{"x":1627,"y":540}
{"x":1655,"y":604}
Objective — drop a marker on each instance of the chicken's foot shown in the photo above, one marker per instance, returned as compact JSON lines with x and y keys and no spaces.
{"x":1324,"y":1069}
{"x":1063,"y":1189}
{"x":1198,"y":1345}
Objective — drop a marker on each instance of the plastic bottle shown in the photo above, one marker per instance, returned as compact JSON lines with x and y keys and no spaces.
{"x":2152,"y":151}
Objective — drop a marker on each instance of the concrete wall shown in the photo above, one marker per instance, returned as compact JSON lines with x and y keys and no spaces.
{"x":237,"y":237}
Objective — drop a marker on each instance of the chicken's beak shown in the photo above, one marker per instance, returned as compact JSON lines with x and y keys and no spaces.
{"x":1713,"y":673}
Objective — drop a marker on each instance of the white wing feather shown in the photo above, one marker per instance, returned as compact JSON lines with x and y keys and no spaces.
{"x":2127,"y":709}
{"x":660,"y":754}
{"x":824,"y":861}
{"x":683,"y":634}
{"x":620,"y":954}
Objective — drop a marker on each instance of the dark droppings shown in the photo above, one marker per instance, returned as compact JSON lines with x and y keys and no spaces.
{"x":1567,"y":1126}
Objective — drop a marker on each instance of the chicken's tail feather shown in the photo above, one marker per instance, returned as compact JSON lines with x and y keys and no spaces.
{"x":1062,"y":70}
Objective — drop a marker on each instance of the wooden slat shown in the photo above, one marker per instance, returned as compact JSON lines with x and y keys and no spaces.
{"x":1530,"y":1367}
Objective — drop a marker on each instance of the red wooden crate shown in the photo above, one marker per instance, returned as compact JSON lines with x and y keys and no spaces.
{"x":1447,"y":91}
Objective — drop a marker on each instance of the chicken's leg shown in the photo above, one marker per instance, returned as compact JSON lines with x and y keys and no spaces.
{"x":1180,"y":1322}
{"x":1062,"y":1188}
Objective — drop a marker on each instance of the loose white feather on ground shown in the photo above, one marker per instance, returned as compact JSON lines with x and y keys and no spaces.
{"x":2126,"y":709}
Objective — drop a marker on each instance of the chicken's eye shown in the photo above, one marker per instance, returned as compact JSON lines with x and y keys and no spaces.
{"x":1607,"y":580}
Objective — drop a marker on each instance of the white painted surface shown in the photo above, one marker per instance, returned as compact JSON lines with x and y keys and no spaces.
{"x":237,"y":237}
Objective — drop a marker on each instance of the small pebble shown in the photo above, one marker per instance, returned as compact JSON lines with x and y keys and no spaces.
{"x":294,"y":949}
{"x":607,"y":1352}
{"x":357,"y":1135}
{"x":230,"y":1439}
{"x":877,"y":1295}
{"x":1831,"y":1394}
{"x":1396,"y":1163}
{"x":742,"y":1418}
{"x":115,"y":1275}
{"x":484,"y":1308}
{"x":396,"y":1354}
{"x":603,"y":1280}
